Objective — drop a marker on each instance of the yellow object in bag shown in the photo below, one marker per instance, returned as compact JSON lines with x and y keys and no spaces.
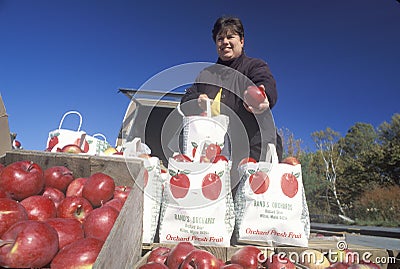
{"x":216,"y":105}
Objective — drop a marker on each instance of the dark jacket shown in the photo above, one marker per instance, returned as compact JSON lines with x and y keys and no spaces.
{"x":234,"y":77}
{"x":255,"y":71}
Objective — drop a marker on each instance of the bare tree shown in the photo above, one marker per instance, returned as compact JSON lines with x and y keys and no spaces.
{"x":291,"y":146}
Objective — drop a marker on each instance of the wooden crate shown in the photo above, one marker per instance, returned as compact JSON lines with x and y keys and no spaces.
{"x":123,"y":247}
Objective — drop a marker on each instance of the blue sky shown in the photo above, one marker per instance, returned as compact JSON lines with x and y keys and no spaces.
{"x":335,"y":62}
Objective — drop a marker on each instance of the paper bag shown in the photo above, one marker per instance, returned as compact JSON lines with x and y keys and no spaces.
{"x":97,"y":146}
{"x":197,"y":129}
{"x":60,"y":137}
{"x":197,"y":204}
{"x":270,"y":203}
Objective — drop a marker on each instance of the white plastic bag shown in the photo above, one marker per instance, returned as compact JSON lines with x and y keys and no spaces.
{"x":152,"y":188}
{"x":270,"y":203}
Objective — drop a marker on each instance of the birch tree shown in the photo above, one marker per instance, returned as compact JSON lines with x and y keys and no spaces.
{"x":327,"y":146}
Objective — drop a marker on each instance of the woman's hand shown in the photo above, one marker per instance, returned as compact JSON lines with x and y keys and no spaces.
{"x":202,"y":101}
{"x":261,"y":107}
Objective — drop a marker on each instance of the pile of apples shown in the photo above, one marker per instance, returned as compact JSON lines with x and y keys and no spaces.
{"x":339,"y":259}
{"x":184,"y":255}
{"x":49,"y":218}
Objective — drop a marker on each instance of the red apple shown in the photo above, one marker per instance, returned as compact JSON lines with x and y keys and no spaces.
{"x":116,"y":203}
{"x":370,"y":264}
{"x":182,"y":158}
{"x":248,"y":256}
{"x":98,"y":189}
{"x":259,"y":182}
{"x":22,"y":179}
{"x":153,"y":265}
{"x":363,"y":266}
{"x":158,"y":255}
{"x":39,"y":207}
{"x":4,"y":193}
{"x":347,"y":256}
{"x":289,"y":185}
{"x":200,"y":258}
{"x":74,"y":207}
{"x":291,"y":160}
{"x":75,"y":187}
{"x":99,"y":222}
{"x":219,"y":158}
{"x":33,"y":244}
{"x":211,"y":186}
{"x":278,"y":262}
{"x":253,"y":96}
{"x":68,"y":230}
{"x":58,"y":177}
{"x":79,"y":254}
{"x":232,"y":266}
{"x":54,"y":194}
{"x":178,"y":253}
{"x":122,"y":192}
{"x":70,"y":148}
{"x":10,"y":212}
{"x":179,"y":185}
{"x":1,"y":167}
{"x":339,"y":265}
{"x":212,"y":150}
{"x":221,"y":263}
{"x":247,"y":160}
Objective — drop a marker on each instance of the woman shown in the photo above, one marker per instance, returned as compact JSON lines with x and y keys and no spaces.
{"x":233,"y":72}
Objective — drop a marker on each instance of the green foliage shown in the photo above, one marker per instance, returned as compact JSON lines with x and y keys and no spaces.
{"x":359,"y":162}
{"x":344,"y":174}
{"x":315,"y":187}
{"x":389,"y":135}
{"x":358,"y":139}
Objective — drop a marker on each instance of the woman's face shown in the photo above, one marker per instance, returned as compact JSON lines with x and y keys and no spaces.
{"x":229,"y":45}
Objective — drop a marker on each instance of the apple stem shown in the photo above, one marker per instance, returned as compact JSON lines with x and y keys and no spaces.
{"x":30,"y":166}
{"x":6,"y":242}
{"x":79,"y":209}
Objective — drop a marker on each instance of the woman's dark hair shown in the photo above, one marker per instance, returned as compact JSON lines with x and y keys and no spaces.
{"x":226,"y":24}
